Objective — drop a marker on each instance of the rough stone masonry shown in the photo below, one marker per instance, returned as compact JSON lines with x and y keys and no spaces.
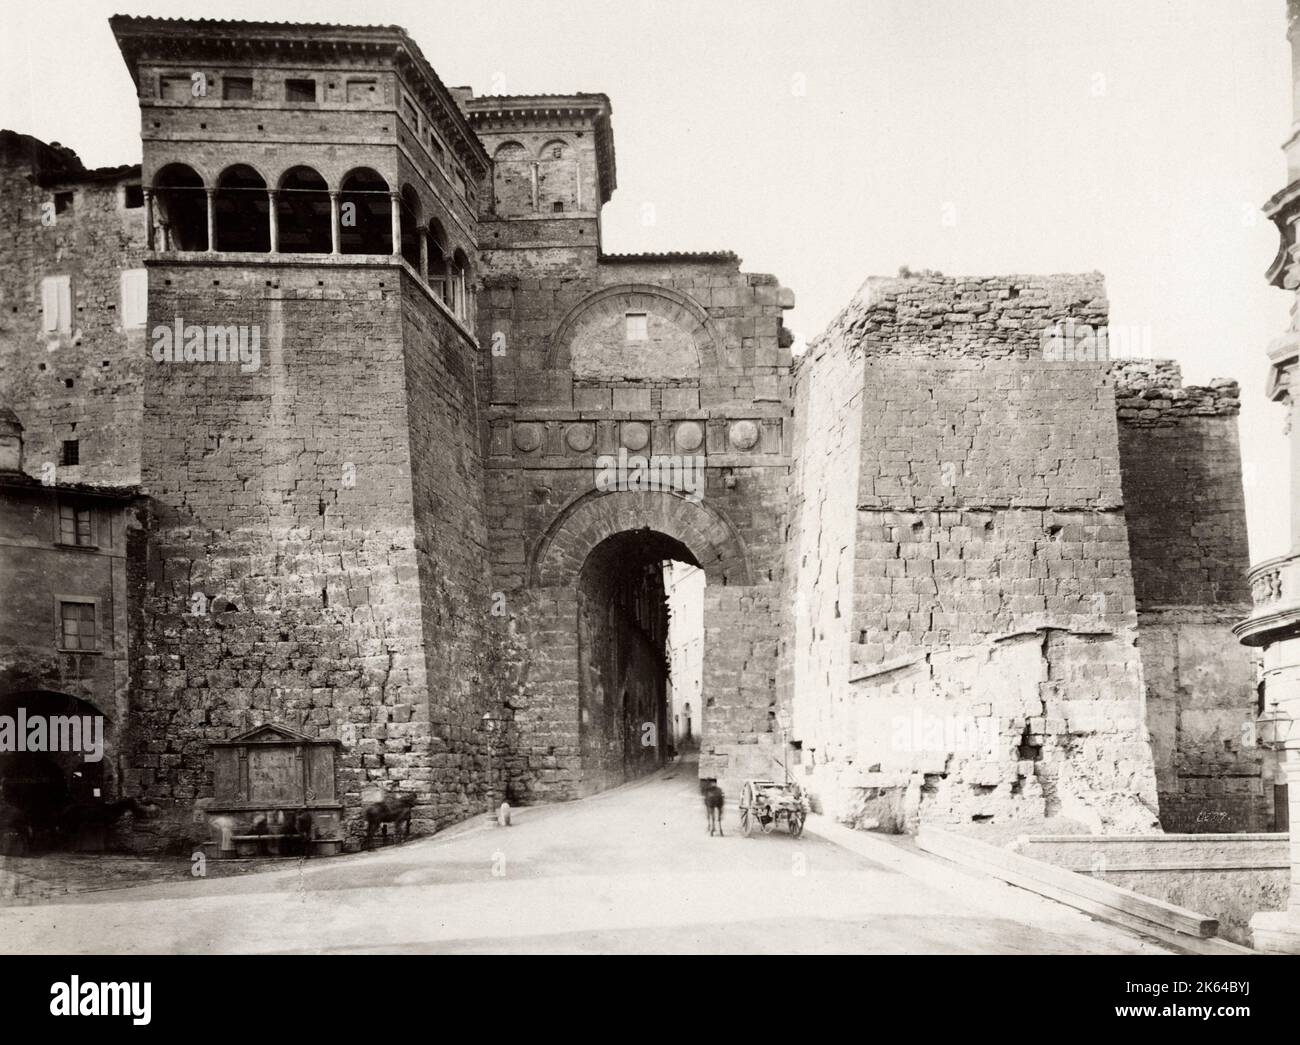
{"x":976,"y":583}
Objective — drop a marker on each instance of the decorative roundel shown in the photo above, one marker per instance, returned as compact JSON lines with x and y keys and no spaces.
{"x":528,"y":437}
{"x":636,"y":434}
{"x":580,"y":437}
{"x":744,"y":434}
{"x":689,"y":436}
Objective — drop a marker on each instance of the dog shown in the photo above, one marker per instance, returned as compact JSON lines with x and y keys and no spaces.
{"x":713,"y":802}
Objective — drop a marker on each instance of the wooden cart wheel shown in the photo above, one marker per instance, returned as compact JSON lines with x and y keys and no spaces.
{"x":746,"y":824}
{"x":796,"y":824}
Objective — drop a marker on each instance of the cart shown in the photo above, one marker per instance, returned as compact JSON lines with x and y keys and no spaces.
{"x":765,"y":804}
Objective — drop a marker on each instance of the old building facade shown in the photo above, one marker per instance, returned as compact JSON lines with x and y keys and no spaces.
{"x":414,"y":450}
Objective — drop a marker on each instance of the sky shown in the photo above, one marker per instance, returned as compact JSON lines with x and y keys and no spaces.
{"x":829,"y":140}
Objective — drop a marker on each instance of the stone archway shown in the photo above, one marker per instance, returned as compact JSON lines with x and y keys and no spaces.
{"x":598,"y":631}
{"x":675,"y":308}
{"x":594,"y":516}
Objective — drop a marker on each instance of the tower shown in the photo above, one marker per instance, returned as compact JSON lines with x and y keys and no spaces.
{"x":553,"y":170}
{"x":310,"y":439}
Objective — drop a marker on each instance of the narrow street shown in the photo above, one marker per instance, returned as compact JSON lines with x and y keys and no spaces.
{"x":630,"y":870}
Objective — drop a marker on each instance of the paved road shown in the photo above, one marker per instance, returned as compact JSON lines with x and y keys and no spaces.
{"x":631,"y":870}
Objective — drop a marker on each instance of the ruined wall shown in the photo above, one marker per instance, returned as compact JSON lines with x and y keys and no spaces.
{"x":817,"y":642}
{"x":1184,"y":501}
{"x":994,"y":671}
{"x":83,"y":384}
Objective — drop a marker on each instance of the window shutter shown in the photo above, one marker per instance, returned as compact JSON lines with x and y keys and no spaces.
{"x":65,"y":304}
{"x":50,"y":304}
{"x":56,"y":304}
{"x":135,"y":298}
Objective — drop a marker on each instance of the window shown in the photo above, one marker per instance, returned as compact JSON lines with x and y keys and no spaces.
{"x":636,"y":326}
{"x":62,"y":202}
{"x":410,"y":112}
{"x":133,"y":196}
{"x":70,"y":454}
{"x":238,"y":88}
{"x":56,"y":304}
{"x":299,"y":90}
{"x":77,"y":625}
{"x":557,"y":206}
{"x":74,"y":526}
{"x":135,"y":298}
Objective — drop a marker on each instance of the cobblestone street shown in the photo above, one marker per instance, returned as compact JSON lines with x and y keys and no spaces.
{"x":630,"y":870}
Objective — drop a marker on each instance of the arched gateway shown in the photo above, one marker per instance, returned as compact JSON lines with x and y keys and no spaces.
{"x":676,"y":366}
{"x":601,"y":565}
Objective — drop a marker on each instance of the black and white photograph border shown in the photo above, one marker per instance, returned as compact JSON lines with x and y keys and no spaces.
{"x":852,"y":522}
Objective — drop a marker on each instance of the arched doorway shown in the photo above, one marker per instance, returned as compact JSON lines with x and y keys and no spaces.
{"x":38,"y":785}
{"x":599,"y":607}
{"x":624,"y":659}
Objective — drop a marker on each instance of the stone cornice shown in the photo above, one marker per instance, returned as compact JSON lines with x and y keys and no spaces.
{"x":177,"y":39}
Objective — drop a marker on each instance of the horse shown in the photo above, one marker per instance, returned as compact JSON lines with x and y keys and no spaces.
{"x":713,"y":802}
{"x":390,"y":809}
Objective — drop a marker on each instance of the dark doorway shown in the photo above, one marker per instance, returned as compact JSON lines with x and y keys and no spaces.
{"x":625,"y":725}
{"x":38,"y":787}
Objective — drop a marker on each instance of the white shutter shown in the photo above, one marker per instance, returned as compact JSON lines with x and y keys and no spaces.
{"x":49,"y":305}
{"x":65,"y":305}
{"x":56,"y":304}
{"x":135,"y":298}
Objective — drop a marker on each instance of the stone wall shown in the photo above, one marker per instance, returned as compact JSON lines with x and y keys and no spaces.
{"x":993,"y":672}
{"x":305,"y":510}
{"x":555,"y":409}
{"x":83,"y":384}
{"x":1226,"y":876}
{"x":36,"y":572}
{"x":1186,"y":513}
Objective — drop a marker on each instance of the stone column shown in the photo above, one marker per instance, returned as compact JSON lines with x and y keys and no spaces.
{"x":212,"y":220}
{"x":148,"y":219}
{"x":396,"y":198}
{"x":271,"y":196}
{"x":336,"y":231}
{"x":424,"y":256}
